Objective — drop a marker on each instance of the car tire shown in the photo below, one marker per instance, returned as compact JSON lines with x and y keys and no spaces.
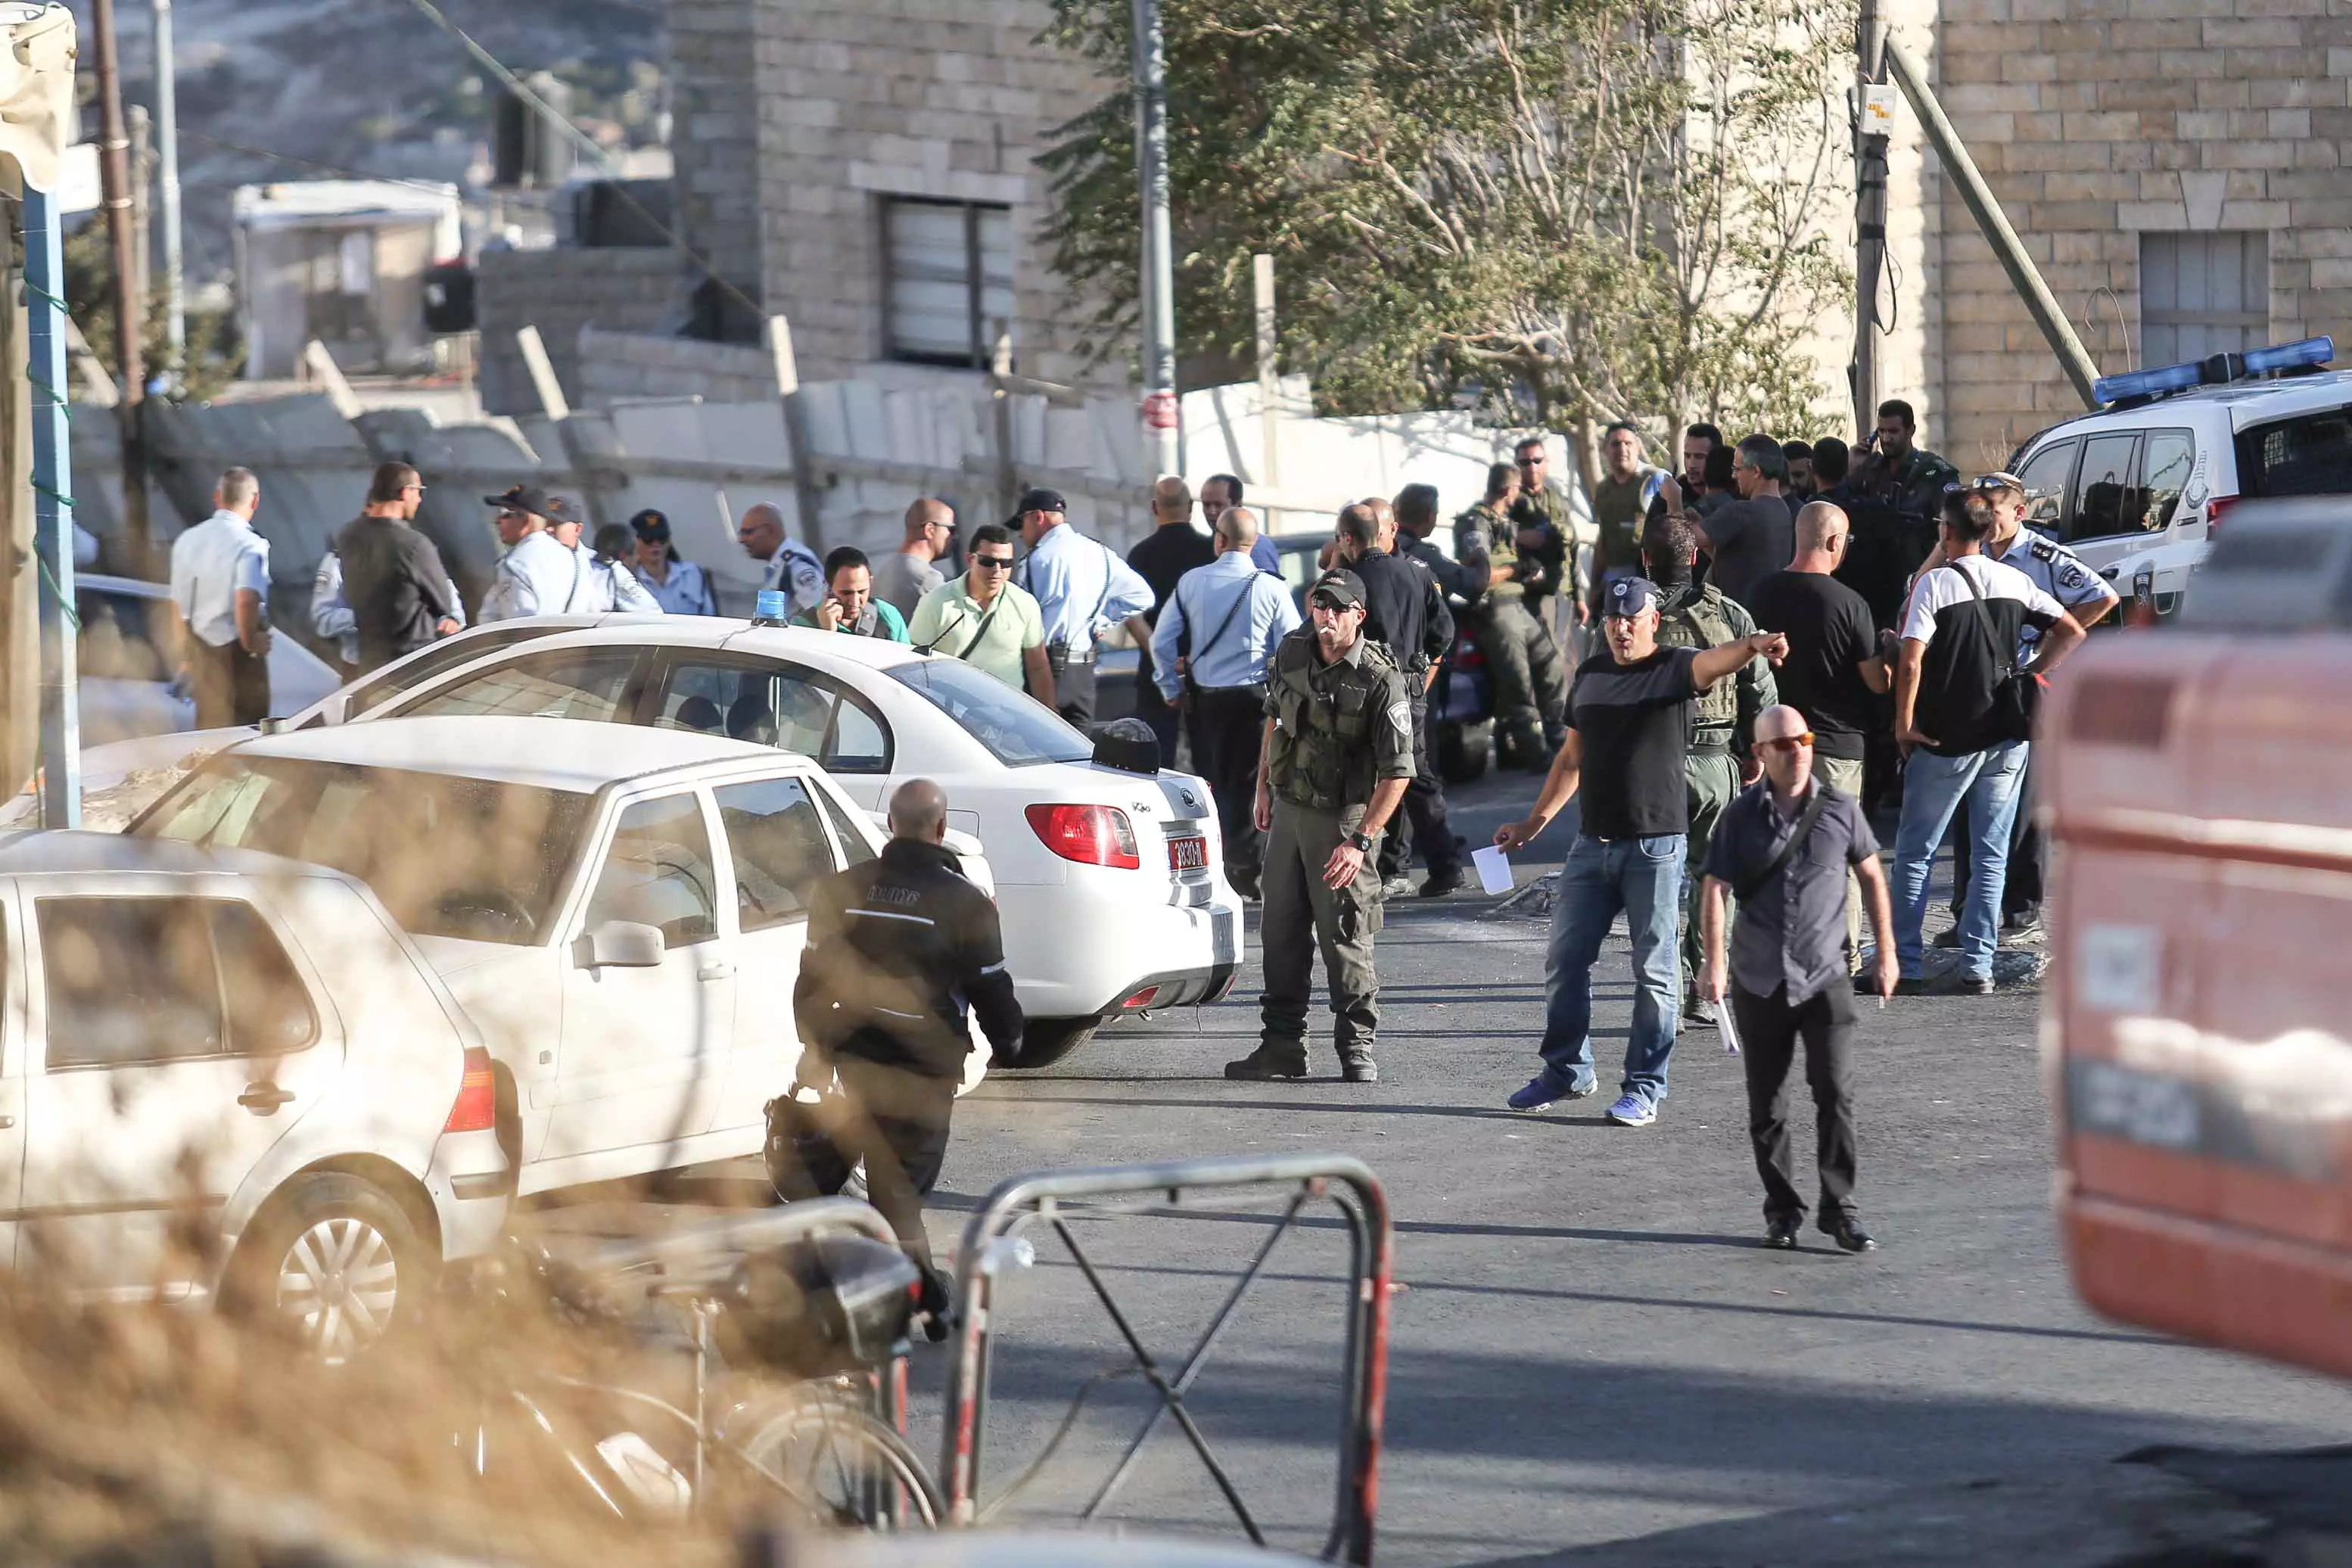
{"x":334,"y":1262}
{"x":1044,"y":1041}
{"x":1465,"y":752}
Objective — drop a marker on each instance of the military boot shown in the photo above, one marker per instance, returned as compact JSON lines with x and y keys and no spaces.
{"x":1272,"y":1059}
{"x":1357,"y":1066}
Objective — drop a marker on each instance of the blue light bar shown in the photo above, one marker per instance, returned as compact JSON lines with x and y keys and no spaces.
{"x":2148,"y":383}
{"x":774,"y":608}
{"x":2290,"y":356}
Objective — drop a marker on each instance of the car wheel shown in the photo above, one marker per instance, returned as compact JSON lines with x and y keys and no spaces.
{"x":335,"y":1261}
{"x":1465,"y":752}
{"x":1045,"y":1041}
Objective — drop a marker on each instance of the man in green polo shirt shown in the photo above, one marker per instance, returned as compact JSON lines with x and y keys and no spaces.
{"x":986,"y":619}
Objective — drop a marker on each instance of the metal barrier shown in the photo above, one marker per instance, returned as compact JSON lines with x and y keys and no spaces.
{"x":991,"y":1245}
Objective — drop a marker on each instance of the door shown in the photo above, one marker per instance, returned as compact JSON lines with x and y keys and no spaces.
{"x":180,"y":1036}
{"x":778,"y":849}
{"x":2102,"y":525}
{"x":644,"y":1050}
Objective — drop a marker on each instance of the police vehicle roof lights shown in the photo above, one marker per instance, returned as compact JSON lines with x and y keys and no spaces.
{"x":772,"y":608}
{"x":2214,"y":370}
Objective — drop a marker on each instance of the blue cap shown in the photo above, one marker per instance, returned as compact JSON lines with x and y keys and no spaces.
{"x":774,"y":608}
{"x":1629,"y":597}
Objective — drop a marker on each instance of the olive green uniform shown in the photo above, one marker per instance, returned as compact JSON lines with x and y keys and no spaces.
{"x":1722,"y":721}
{"x":1339,"y":729}
{"x":1530,"y":677}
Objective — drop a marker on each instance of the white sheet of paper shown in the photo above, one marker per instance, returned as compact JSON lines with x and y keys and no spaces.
{"x":1723,"y":1021}
{"x":1493,"y":868}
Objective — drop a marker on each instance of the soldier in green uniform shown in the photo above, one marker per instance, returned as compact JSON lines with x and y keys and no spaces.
{"x":1522,"y":659}
{"x":1546,"y":519}
{"x":1718,"y":759}
{"x":1336,"y":756}
{"x":1900,"y":472}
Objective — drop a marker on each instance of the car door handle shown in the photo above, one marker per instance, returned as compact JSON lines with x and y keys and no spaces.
{"x":263,"y":1099}
{"x":715,"y":972}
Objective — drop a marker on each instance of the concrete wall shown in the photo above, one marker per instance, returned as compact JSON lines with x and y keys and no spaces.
{"x":715,"y":140}
{"x":621,"y":366}
{"x":560,"y":292}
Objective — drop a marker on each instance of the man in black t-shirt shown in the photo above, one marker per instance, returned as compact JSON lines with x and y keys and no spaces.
{"x":1629,"y":721}
{"x":1835,"y":663}
{"x":1162,"y":559}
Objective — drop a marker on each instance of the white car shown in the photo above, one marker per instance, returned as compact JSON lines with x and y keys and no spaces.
{"x":2139,"y":488}
{"x":126,"y":664}
{"x":1111,"y":882}
{"x":251,"y":1038}
{"x":623,"y":912}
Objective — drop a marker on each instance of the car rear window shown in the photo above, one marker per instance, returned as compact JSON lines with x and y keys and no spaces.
{"x":412,"y":673}
{"x":449,"y":856}
{"x":2309,"y":455}
{"x":1017,"y":730}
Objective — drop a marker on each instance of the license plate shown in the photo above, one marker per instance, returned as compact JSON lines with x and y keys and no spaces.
{"x":1188,"y":854}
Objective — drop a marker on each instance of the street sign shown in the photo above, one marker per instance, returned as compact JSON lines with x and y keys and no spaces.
{"x":1159,"y":411}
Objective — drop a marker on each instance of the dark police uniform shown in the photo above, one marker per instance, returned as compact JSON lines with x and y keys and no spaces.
{"x":1339,"y":729}
{"x":896,"y":948}
{"x":1405,"y":609}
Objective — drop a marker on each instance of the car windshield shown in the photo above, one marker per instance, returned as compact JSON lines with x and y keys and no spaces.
{"x":1017,"y":730}
{"x":449,"y":856}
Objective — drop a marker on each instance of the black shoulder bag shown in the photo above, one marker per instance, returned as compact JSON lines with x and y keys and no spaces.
{"x":1749,"y":887}
{"x":2016,"y":693}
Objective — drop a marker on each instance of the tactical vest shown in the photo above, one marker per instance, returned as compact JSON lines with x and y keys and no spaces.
{"x":1705,"y":620}
{"x":1322,"y":757}
{"x":1502,"y":537}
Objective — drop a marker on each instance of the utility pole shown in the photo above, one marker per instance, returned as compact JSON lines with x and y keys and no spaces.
{"x":1269,"y":374}
{"x":167,"y":153}
{"x":1162,"y":412}
{"x":130,"y":310}
{"x":1870,"y":133}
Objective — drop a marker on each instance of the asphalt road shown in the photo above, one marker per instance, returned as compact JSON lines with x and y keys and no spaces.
{"x":1588,"y":1344}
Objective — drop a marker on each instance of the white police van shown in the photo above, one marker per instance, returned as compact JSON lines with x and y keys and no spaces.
{"x":2140,"y":488}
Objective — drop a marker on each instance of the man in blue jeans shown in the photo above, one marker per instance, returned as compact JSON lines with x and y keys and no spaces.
{"x":1961,"y":629}
{"x":1628,"y":723}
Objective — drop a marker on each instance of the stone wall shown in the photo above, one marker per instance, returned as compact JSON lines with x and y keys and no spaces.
{"x":624,"y":366}
{"x":2097,"y":122}
{"x":715,"y":136}
{"x":560,"y":291}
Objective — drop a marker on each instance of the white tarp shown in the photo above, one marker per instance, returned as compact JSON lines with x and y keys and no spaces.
{"x":36,"y":88}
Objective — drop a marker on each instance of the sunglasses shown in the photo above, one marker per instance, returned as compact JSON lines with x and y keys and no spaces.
{"x":993,"y":562}
{"x":1788,"y":743}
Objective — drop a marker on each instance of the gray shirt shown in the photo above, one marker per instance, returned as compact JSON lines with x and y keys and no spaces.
{"x":900,"y":581}
{"x":1792,"y":934}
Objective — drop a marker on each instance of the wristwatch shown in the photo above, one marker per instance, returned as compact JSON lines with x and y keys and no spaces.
{"x":1362,"y":841}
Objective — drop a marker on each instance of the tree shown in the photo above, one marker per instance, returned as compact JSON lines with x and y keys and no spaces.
{"x":1572,"y":209}
{"x":214,"y":357}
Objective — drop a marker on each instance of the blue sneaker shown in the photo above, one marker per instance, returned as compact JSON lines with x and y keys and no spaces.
{"x":1538,"y":1095}
{"x":1633,"y":1111}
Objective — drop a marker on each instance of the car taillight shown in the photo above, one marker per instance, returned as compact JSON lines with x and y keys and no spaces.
{"x":477,"y":1108}
{"x":1091,"y":834}
{"x":2213,"y":510}
{"x":1143,"y":998}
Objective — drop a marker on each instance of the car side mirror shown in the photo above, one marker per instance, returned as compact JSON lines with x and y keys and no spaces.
{"x":624,"y":944}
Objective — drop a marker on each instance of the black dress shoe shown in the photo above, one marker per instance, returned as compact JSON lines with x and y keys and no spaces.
{"x":1952,"y":982}
{"x":1847,"y":1232}
{"x":1441,"y":883}
{"x":1267,"y":1064}
{"x":1246,"y":884}
{"x":1781,"y":1234}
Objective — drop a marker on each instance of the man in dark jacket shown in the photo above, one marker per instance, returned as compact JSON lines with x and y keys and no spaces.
{"x":898,"y":948}
{"x":393,"y":577}
{"x":1405,"y":609}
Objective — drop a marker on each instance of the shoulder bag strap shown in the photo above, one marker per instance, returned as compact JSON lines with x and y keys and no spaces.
{"x":1748,"y":887}
{"x":2006,"y":652}
{"x":1241,"y":602}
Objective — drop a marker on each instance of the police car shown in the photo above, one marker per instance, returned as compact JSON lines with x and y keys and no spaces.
{"x":2139,"y":488}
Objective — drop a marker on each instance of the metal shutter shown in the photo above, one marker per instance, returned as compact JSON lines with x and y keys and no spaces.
{"x":2201,"y":294}
{"x":934,"y":248}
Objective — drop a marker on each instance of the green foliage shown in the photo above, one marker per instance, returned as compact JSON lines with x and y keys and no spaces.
{"x":1561,"y":209}
{"x":214,"y":356}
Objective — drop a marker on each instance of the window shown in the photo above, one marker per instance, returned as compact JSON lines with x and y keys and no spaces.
{"x":948,"y":287}
{"x":658,"y":872}
{"x":2103,"y":489}
{"x":2309,"y":455}
{"x":132,"y":981}
{"x":2165,"y":467}
{"x":449,"y":857}
{"x":2045,"y":479}
{"x":855,"y":849}
{"x":590,"y":683}
{"x":1015,"y":728}
{"x":2201,"y":294}
{"x":432,"y":662}
{"x":777,"y":837}
{"x":770,"y":704}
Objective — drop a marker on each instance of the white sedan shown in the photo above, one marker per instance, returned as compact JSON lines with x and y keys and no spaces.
{"x":1111,"y":880}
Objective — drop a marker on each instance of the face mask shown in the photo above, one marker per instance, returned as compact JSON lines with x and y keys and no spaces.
{"x":1673,"y":577}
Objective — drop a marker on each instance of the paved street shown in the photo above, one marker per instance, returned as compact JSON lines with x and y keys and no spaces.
{"x":1587,"y":1343}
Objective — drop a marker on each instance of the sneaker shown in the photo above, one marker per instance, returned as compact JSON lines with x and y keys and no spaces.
{"x":1539,"y":1095}
{"x":1267,"y":1063}
{"x":1633,"y":1111}
{"x":1780,"y":1233}
{"x":1698,"y":1013}
{"x":1953,"y":983}
{"x":1847,"y":1232}
{"x":1441,"y":883}
{"x":1396,"y":887}
{"x":1246,"y":884}
{"x":2023,"y":923}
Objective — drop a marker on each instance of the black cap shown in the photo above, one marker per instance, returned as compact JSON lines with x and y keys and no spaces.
{"x":528,"y":498}
{"x":651,"y":526}
{"x":556,"y":510}
{"x":1040,"y":498}
{"x":1629,"y":597}
{"x":1340,"y":585}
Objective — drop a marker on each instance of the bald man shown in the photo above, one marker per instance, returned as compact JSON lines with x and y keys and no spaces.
{"x":1783,"y":847}
{"x":896,"y":948}
{"x":1170,"y":550}
{"x":789,"y":564}
{"x":902,"y":577}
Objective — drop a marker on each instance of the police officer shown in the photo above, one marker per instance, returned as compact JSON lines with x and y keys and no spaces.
{"x":1530,"y":681}
{"x":1336,"y":754}
{"x":1405,"y":610}
{"x":1082,"y":590}
{"x":1720,"y":758}
{"x":896,"y":947}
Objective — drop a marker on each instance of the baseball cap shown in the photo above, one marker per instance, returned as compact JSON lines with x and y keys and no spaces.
{"x":528,"y":498}
{"x":556,"y":510}
{"x":651,"y":526}
{"x":1340,"y":585}
{"x":1041,"y":499}
{"x":1629,"y":597}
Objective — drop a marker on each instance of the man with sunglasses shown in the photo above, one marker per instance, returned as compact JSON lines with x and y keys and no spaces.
{"x":1546,"y":520}
{"x":1786,"y":846}
{"x":397,"y":592}
{"x":986,"y":619}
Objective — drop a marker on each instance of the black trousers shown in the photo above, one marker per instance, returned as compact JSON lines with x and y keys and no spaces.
{"x":1074,"y":686}
{"x":894,"y":1119}
{"x":1424,"y":826}
{"x":1769,"y":1030}
{"x":1226,"y":727}
{"x":230,"y":686}
{"x":2028,"y":853}
{"x":1154,"y":710}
